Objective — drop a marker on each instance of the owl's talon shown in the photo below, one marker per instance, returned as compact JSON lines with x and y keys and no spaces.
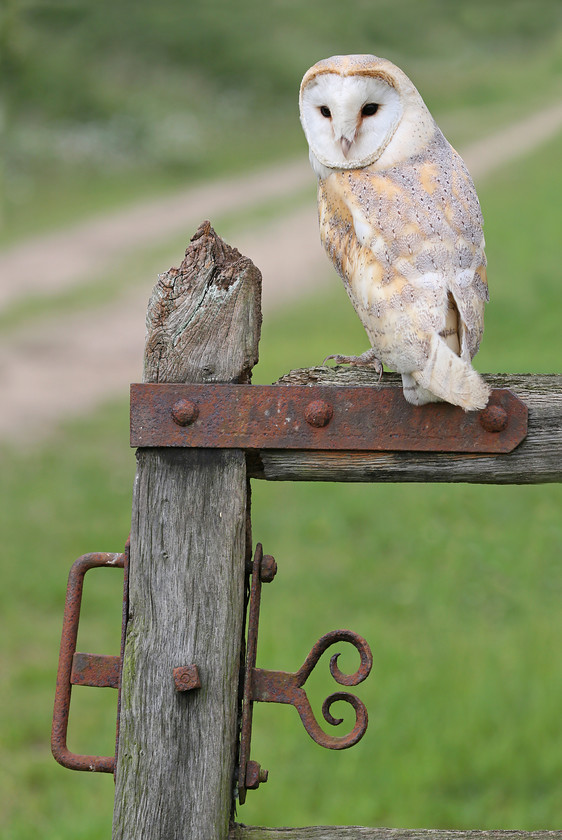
{"x":338,"y":359}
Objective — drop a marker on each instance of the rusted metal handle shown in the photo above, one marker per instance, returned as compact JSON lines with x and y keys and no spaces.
{"x":81,"y":668}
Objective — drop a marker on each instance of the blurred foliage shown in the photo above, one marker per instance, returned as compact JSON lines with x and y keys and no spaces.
{"x":255,"y":50}
{"x":181,"y":90}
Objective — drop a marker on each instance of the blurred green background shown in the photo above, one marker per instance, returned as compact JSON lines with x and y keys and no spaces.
{"x":457,"y":588}
{"x":105,"y":101}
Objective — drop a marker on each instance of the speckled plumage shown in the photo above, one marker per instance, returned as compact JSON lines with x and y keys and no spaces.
{"x":403,"y":230}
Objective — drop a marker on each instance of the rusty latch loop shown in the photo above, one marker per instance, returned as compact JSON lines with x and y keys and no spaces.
{"x":83,"y":668}
{"x":261,"y":685}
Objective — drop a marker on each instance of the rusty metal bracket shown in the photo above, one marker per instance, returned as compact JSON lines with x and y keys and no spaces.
{"x":282,"y":687}
{"x":320,"y":417}
{"x":84,"y":668}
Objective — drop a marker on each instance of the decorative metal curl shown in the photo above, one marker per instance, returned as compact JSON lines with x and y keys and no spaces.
{"x":283,"y":687}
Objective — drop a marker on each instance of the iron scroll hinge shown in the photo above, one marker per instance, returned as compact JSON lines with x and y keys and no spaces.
{"x":89,"y":669}
{"x":261,"y":685}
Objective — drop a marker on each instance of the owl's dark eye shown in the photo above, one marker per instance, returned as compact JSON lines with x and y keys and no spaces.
{"x":369,"y":109}
{"x":325,"y":111}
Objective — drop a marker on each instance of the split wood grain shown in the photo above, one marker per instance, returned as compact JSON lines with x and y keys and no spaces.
{"x":538,"y":459}
{"x":177,"y":750}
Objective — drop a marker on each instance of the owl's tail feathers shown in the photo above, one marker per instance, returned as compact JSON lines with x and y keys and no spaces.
{"x":446,"y":377}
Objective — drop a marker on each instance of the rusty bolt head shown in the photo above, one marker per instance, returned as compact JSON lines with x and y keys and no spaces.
{"x":318,"y":413}
{"x":255,"y":776}
{"x":268,"y":568}
{"x":494,"y":418}
{"x":186,"y":678}
{"x":184,"y":412}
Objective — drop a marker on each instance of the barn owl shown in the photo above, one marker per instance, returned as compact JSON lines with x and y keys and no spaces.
{"x":400,"y":220}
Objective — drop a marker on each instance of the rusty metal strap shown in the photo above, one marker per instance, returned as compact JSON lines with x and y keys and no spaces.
{"x":95,"y":670}
{"x":320,"y":417}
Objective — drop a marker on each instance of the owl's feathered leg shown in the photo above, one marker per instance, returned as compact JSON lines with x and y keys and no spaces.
{"x":366,"y":359}
{"x":414,"y":393}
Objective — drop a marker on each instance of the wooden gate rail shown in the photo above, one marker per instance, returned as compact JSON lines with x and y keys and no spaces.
{"x":537,"y":460}
{"x":319,"y":832}
{"x":379,"y":437}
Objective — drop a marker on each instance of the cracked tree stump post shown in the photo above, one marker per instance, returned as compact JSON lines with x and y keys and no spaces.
{"x":177,"y":749}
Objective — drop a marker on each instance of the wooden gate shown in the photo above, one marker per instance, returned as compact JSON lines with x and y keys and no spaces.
{"x":202,"y":433}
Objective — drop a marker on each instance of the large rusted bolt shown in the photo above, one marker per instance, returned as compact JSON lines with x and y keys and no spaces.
{"x":184,"y":412}
{"x":255,"y":775}
{"x":318,"y":413}
{"x":268,"y":568}
{"x":186,"y":678}
{"x":494,"y":418}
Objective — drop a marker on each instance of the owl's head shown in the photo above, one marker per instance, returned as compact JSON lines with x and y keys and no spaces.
{"x":353,"y":106}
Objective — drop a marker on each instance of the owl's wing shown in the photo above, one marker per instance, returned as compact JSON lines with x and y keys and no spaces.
{"x":467,"y":281}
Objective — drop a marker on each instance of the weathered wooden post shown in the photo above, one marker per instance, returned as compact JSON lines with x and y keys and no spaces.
{"x":188,"y":551}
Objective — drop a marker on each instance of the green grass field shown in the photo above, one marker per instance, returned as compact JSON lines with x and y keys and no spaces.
{"x":457,"y":589}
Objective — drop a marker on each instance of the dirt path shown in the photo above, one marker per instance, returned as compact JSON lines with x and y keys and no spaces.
{"x":62,"y":367}
{"x":56,"y":261}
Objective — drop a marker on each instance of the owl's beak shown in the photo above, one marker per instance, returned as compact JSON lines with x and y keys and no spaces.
{"x":346,"y":145}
